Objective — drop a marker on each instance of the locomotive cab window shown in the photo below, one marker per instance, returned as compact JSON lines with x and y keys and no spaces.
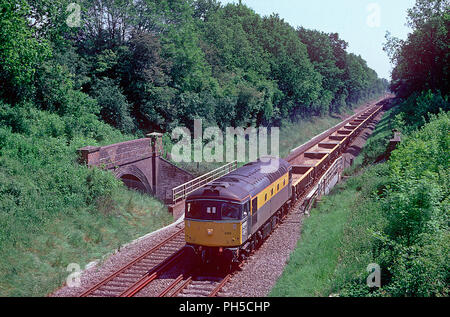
{"x":254,"y":205}
{"x":231,"y":211}
{"x":215,"y":210}
{"x":203,"y":209}
{"x":246,"y":210}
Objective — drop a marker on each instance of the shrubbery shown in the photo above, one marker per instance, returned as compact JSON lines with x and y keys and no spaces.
{"x":416,"y":110}
{"x":54,"y":211}
{"x":411,"y":242}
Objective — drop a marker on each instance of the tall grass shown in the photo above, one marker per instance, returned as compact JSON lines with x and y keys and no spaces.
{"x":394,"y":214}
{"x":54,"y":211}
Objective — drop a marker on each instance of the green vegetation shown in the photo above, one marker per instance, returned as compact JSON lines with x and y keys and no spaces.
{"x":375,"y":147}
{"x":421,"y":62}
{"x":312,"y":265}
{"x":411,"y":240}
{"x":54,"y":211}
{"x":154,"y":65}
{"x":396,"y":213}
{"x":129,"y":68}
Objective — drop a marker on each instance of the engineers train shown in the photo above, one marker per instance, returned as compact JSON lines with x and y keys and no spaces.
{"x":229,"y":218}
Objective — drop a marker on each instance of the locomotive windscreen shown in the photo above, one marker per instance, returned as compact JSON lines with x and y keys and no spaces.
{"x":213,"y":210}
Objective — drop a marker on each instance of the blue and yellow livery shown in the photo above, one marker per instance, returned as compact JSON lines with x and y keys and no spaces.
{"x":229,"y":217}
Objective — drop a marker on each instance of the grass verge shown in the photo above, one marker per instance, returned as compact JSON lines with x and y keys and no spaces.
{"x":313,"y":263}
{"x":54,"y":211}
{"x":335,"y":240}
{"x":327,"y":256}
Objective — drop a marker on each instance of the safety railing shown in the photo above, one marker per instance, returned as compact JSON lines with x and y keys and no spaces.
{"x":180,"y":193}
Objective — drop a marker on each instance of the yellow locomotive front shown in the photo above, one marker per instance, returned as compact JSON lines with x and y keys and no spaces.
{"x":216,"y":228}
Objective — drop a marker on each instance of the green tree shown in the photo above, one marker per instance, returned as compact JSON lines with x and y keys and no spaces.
{"x":114,"y":106}
{"x":321,"y":52}
{"x":290,"y":67}
{"x":421,"y":62}
{"x":20,"y":52}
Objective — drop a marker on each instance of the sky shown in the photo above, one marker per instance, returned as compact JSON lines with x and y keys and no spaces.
{"x":361,"y":23}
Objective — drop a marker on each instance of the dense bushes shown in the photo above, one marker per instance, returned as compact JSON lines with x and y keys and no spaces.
{"x":54,"y":211}
{"x":417,"y":210}
{"x":416,"y":110}
{"x":39,"y":167}
{"x":411,"y":240}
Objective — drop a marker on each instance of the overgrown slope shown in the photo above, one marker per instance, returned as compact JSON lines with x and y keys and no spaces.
{"x":393,"y":214}
{"x":53,"y":211}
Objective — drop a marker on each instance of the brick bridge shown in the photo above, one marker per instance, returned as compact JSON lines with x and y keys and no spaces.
{"x":139,"y":164}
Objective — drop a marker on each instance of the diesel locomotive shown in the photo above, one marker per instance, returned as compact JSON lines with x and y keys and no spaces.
{"x":228,"y":218}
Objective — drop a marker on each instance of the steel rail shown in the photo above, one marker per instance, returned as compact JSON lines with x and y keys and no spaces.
{"x":152,"y":274}
{"x":171,"y":286}
{"x":220,"y":286}
{"x":183,"y":286}
{"x":117,"y":273}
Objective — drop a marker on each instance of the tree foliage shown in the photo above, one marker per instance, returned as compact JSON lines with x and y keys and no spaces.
{"x":20,"y":51}
{"x":153,"y":65}
{"x":421,"y":62}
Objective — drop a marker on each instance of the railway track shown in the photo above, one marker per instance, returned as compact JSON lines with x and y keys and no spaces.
{"x":193,"y":285}
{"x":347,"y":129}
{"x":131,"y":278}
{"x":142,"y":271}
{"x":196,"y":286}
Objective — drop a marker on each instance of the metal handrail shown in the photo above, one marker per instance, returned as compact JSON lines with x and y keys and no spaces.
{"x":180,"y":192}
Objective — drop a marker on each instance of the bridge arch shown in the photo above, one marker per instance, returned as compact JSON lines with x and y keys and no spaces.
{"x":134,"y":178}
{"x":139,"y":164}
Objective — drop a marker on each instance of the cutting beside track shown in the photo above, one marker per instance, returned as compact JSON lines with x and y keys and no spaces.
{"x":308,"y":162}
